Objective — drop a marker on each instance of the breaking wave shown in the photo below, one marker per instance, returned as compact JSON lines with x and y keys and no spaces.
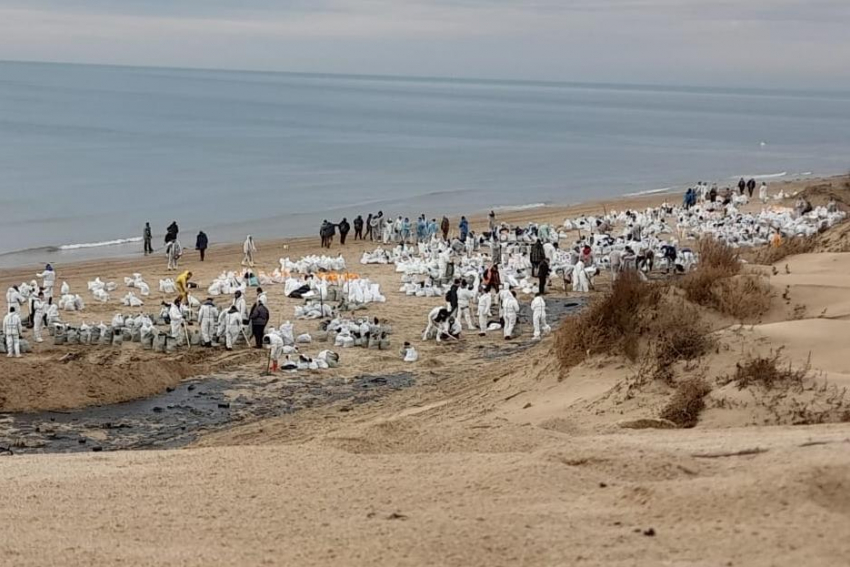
{"x":115,"y":242}
{"x":519,"y":207}
{"x":651,"y":192}
{"x":762,"y":176}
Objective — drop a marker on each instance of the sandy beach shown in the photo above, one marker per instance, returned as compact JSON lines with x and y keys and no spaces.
{"x":496,"y":454}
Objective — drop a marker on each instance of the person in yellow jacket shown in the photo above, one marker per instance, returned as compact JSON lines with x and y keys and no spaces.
{"x":182,"y":284}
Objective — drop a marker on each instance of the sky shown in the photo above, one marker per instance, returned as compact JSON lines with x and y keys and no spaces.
{"x":795,"y":44}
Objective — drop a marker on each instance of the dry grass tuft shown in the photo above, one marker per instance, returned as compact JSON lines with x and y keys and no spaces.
{"x":637,"y":320}
{"x":687,"y":402}
{"x":771,"y":254}
{"x":768,"y":372}
{"x":718,"y":256}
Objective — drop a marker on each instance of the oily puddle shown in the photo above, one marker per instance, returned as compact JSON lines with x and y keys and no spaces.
{"x":179,"y":416}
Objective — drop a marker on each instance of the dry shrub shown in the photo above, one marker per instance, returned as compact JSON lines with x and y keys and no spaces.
{"x":718,"y":256}
{"x":635,"y":318}
{"x":771,"y":254}
{"x":767,"y":372}
{"x":610,"y":324}
{"x":687,"y":402}
{"x":745,"y":297}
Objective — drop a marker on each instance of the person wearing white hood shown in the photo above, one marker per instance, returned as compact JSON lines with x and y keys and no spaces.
{"x":175,"y":314}
{"x":465,"y":296}
{"x":14,"y":298}
{"x":538,"y":311}
{"x":485,"y":302}
{"x":233,"y":327}
{"x":240,"y":305}
{"x":13,"y":329}
{"x":52,"y":313}
{"x":207,"y":318}
{"x":248,"y":249}
{"x":763,"y":192}
{"x":48,"y":277}
{"x":274,"y":343}
{"x":173,"y":251}
{"x":38,"y":306}
{"x":581,"y":283}
{"x":511,"y":311}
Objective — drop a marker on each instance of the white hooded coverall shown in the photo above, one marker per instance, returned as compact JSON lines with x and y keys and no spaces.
{"x":176,"y":316}
{"x":207,"y":316}
{"x":485,"y":302}
{"x":48,"y":281}
{"x":538,"y":311}
{"x":233,"y":328}
{"x":464,"y":297}
{"x":12,"y":329}
{"x":38,"y":319}
{"x":511,"y":311}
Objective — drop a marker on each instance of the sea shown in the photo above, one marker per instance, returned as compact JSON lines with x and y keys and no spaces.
{"x":90,"y":153}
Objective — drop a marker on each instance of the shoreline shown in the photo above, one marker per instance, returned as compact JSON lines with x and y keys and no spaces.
{"x":88,"y":253}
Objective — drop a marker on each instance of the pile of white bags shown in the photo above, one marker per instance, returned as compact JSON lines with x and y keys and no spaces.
{"x":130,"y":300}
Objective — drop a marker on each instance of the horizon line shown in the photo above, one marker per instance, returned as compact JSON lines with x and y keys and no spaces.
{"x":680,"y":88}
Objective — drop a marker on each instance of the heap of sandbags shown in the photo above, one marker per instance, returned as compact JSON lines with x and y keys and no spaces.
{"x":70,"y":302}
{"x":130,"y":300}
{"x":139,"y":283}
{"x":361,"y":291}
{"x":312,"y":265}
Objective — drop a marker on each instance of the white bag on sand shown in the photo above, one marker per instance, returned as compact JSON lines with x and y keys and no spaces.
{"x":304,"y":339}
{"x":65,"y":289}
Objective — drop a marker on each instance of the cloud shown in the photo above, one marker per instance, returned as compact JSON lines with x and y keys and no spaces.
{"x":782,"y":42}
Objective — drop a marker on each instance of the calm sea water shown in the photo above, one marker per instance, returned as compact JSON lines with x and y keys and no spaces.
{"x":89,"y":153}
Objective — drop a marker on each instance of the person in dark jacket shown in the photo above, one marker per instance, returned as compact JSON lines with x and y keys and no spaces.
{"x":538,"y":254}
{"x":147,"y":237}
{"x":492,"y":278}
{"x":542,"y":276}
{"x":751,"y":186}
{"x":741,"y":186}
{"x":259,"y":319}
{"x":344,"y":229}
{"x":369,"y":227}
{"x":201,"y":244}
{"x":358,"y":228}
{"x":445,"y":226}
{"x":451,"y":298}
{"x":171,"y":232}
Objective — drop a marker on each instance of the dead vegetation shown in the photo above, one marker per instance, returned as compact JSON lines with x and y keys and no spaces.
{"x":717,"y":283}
{"x":687,"y":402}
{"x":635,"y":320}
{"x":768,"y":372}
{"x":772,"y":254}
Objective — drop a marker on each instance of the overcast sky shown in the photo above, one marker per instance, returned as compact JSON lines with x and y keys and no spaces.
{"x":784,"y":43}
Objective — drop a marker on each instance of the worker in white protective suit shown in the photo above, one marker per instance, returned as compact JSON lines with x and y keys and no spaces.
{"x":48,"y":277}
{"x":173,"y":251}
{"x":538,"y":314}
{"x":13,"y":329}
{"x":221,"y":326}
{"x":52,"y":313}
{"x":175,"y":314}
{"x":763,"y":193}
{"x":240,"y":305}
{"x":14,"y":298}
{"x":485,"y":303}
{"x":39,"y":306}
{"x":248,"y":249}
{"x":510,"y":312}
{"x":274,"y":343}
{"x":465,"y":296}
{"x":504,"y":294}
{"x":581,"y":282}
{"x":437,"y":319}
{"x":233,"y":327}
{"x":207,"y":319}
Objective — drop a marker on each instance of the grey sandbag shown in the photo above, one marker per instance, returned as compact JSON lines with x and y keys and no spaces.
{"x":2,"y":343}
{"x":106,"y":337}
{"x":170,"y":344}
{"x":136,"y":335}
{"x":159,"y":342}
{"x":126,"y":334}
{"x":25,"y":346}
{"x":384,"y":344}
{"x":95,"y":335}
{"x":59,"y":337}
{"x":85,"y":337}
{"x":72,"y":336}
{"x":195,"y":338}
{"x":332,"y":359}
{"x":147,"y":341}
{"x":117,"y":339}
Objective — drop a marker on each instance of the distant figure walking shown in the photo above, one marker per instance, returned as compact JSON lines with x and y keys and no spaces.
{"x":369,"y":227}
{"x":147,"y":236}
{"x":741,"y":186}
{"x":344,"y":229}
{"x":201,"y":244}
{"x":358,"y":228}
{"x":248,"y":249}
{"x":445,"y":226}
{"x":173,"y":251}
{"x":751,"y":187}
